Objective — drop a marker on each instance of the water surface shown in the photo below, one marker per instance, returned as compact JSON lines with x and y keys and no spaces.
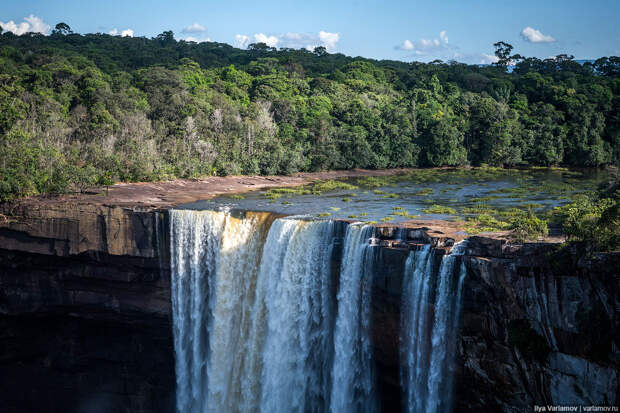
{"x":418,"y":194}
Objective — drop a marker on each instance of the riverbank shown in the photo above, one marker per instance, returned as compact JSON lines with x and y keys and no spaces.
{"x":154,"y":195}
{"x":88,"y":207}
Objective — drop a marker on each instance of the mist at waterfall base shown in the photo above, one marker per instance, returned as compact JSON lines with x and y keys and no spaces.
{"x":274,"y":314}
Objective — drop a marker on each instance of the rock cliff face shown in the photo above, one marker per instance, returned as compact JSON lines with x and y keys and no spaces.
{"x":84,"y":312}
{"x":539,"y":326}
{"x":85,"y":319}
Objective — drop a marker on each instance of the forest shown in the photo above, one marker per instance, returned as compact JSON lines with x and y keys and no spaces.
{"x":83,"y":110}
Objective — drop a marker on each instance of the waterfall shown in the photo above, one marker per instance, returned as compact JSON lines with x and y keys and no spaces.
{"x":416,"y":313}
{"x":194,"y":243}
{"x":234,"y":288}
{"x":299,"y":316}
{"x":253,"y":312}
{"x":431,"y":310}
{"x":258,"y":325}
{"x":353,"y":384}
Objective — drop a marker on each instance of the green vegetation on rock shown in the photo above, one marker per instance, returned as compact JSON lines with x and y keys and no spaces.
{"x":528,"y":227}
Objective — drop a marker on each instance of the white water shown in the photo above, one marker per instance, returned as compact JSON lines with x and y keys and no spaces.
{"x":429,"y":323}
{"x":194,"y":243}
{"x":353,"y":387}
{"x":253,"y":312}
{"x":299,"y":316}
{"x":258,"y":325}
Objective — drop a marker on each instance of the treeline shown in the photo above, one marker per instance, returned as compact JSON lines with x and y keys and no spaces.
{"x":79,"y":110}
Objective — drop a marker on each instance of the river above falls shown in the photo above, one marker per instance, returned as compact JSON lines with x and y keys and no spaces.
{"x":448,"y":194}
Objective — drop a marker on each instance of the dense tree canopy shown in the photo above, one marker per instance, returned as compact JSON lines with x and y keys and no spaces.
{"x":77,"y":110}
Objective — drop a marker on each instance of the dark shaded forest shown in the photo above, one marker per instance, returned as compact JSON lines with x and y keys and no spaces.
{"x":81,"y":110}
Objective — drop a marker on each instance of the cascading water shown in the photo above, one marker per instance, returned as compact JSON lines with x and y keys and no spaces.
{"x":353,"y":388}
{"x":429,"y":322}
{"x":194,"y":241}
{"x":259,"y":326}
{"x":254,"y":313}
{"x":297,"y":286}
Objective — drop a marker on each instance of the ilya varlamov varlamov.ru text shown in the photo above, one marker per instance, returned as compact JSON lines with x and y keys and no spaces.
{"x":550,"y":408}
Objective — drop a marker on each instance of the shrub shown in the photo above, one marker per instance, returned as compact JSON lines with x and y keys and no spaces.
{"x":596,"y":222}
{"x":528,"y":227}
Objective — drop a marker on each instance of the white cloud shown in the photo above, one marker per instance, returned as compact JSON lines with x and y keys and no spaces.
{"x":535,"y":36}
{"x":123,"y":33}
{"x":425,"y":47}
{"x":194,"y":28}
{"x":271,"y":41}
{"x":443,"y":36}
{"x":31,"y":24}
{"x":193,"y":39}
{"x":487,"y":59}
{"x":440,"y":48}
{"x":407,"y":45}
{"x":474,"y":58}
{"x":291,"y":40}
{"x":242,"y":41}
{"x":328,"y":39}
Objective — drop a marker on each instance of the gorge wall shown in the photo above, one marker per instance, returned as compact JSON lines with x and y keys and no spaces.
{"x":85,"y":309}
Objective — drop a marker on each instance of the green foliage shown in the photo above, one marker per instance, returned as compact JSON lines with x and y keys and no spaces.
{"x":424,"y":191}
{"x":528,"y":227}
{"x":331,"y":185}
{"x":81,"y":110}
{"x":439,"y":209}
{"x":593,"y":221}
{"x":485,"y":222}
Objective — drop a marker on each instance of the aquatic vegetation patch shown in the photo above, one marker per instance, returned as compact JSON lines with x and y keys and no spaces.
{"x":485,"y":198}
{"x":532,"y":205}
{"x":375,"y":181}
{"x":405,"y":214}
{"x":424,"y":192}
{"x":439,"y":209}
{"x":479,"y":209}
{"x":331,"y":185}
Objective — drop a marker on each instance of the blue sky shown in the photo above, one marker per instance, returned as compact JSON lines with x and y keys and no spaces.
{"x":402,"y":30}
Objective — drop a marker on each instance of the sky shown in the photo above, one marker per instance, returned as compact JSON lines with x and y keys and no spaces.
{"x":461,"y":30}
